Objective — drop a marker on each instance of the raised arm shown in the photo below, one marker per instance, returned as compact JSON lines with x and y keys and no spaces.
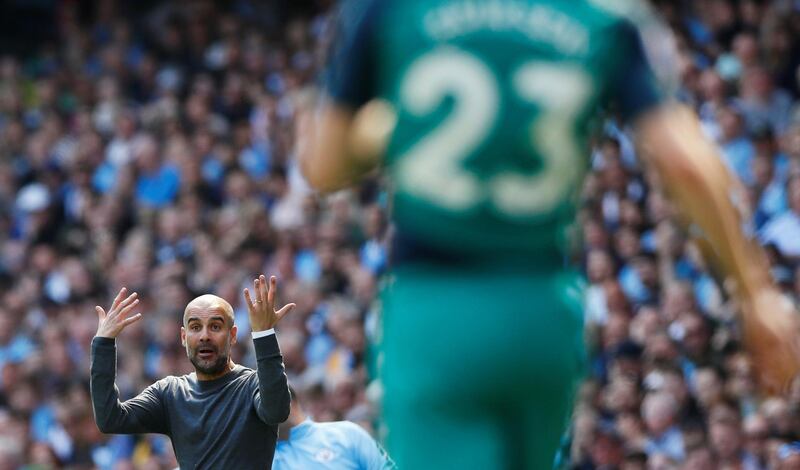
{"x":272,"y":399}
{"x":141,"y":414}
{"x":705,"y":191}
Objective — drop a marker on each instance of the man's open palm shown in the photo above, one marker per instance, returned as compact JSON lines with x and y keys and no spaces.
{"x":112,"y":323}
{"x":263,"y":315}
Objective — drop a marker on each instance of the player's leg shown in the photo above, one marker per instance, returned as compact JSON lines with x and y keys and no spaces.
{"x":537,"y":430}
{"x":461,"y":349}
{"x":537,"y":410}
{"x":429,"y":433}
{"x":432,"y":377}
{"x":547,"y":423}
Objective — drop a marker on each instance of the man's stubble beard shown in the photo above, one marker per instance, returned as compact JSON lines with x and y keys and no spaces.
{"x":215,"y":368}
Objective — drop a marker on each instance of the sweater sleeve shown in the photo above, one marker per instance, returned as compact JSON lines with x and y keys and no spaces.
{"x":142,"y":414}
{"x":271,"y":400}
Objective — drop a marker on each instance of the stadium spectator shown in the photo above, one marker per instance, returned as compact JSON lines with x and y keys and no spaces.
{"x":660,"y":412}
{"x":783,"y":230}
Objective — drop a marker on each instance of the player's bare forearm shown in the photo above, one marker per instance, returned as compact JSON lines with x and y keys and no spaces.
{"x":337,"y":147}
{"x":701,"y":185}
{"x":705,"y":190}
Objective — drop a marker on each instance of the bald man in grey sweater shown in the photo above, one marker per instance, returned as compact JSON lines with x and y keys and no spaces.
{"x":221,"y":416}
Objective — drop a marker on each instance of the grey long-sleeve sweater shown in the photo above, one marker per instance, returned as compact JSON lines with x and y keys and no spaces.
{"x":230,"y":422}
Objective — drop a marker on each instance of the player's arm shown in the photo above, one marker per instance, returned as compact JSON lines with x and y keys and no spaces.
{"x":271,"y":399}
{"x":695,"y":177}
{"x":141,"y":414}
{"x":337,"y":146}
{"x":341,"y":136}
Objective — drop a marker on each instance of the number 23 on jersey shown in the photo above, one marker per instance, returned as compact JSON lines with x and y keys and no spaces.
{"x":433,"y":168}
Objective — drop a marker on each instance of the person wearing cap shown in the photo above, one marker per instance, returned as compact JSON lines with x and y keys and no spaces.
{"x":339,"y":445}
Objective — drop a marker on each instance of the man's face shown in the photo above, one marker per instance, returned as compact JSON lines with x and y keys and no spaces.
{"x":606,"y":450}
{"x":725,"y":440}
{"x":207,"y":337}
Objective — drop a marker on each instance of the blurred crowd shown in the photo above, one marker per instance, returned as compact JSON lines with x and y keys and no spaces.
{"x":153,"y":149}
{"x":669,"y":384}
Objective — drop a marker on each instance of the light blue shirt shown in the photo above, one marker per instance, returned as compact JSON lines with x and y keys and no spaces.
{"x":340,"y":445}
{"x":739,"y":154}
{"x":669,"y":443}
{"x":784,"y":232}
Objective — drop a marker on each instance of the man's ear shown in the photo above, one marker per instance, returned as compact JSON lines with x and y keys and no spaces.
{"x":234,"y":330}
{"x":183,"y":337}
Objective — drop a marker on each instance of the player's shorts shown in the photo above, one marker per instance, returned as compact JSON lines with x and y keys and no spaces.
{"x":480,"y":365}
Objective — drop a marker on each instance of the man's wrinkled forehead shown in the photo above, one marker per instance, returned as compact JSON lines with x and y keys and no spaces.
{"x":207,"y":306}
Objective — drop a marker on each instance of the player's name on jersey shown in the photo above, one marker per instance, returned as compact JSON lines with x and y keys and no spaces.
{"x":539,"y":22}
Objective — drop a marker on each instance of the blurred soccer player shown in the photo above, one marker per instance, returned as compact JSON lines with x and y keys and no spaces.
{"x":480,"y":111}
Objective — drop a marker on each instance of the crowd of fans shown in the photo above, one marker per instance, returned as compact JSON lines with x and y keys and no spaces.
{"x":155,"y":151}
{"x":670,"y":386}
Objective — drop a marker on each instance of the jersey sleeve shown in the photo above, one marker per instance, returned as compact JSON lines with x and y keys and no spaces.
{"x":635,"y":85}
{"x":349,"y":76}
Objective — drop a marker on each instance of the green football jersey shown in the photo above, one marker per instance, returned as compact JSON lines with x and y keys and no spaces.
{"x":494,"y":101}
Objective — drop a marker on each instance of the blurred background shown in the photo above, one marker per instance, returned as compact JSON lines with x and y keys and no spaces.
{"x":149,"y":144}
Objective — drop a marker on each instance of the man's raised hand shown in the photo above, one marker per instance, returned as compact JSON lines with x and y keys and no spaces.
{"x":263,"y":315}
{"x":112,"y":323}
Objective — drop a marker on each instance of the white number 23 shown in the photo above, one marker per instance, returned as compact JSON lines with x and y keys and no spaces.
{"x":433,"y":167}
